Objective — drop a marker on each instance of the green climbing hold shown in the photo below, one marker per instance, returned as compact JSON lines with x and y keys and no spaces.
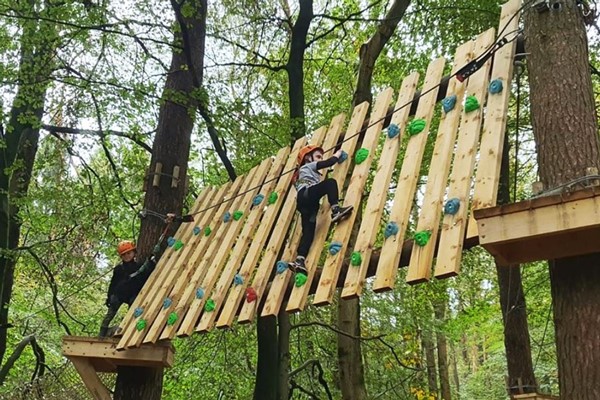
{"x":361,"y":155}
{"x":272,"y":198}
{"x":207,"y":231}
{"x":237,"y":215}
{"x":210,"y":305}
{"x":300,"y":279}
{"x":416,"y":126}
{"x":177,"y":245}
{"x":356,"y":259}
{"x":471,"y":104}
{"x":140,"y":325}
{"x":422,"y":238}
{"x":172,"y":318}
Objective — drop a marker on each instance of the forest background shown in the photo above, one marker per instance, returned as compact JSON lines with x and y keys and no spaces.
{"x":92,"y":76}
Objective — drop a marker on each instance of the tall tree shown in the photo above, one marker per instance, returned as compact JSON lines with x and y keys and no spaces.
{"x":566,"y":133}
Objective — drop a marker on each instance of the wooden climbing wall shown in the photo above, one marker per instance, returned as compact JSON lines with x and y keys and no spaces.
{"x":227,"y":269}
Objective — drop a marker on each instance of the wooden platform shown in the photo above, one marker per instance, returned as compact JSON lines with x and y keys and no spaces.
{"x":545,"y":228}
{"x":534,"y":396}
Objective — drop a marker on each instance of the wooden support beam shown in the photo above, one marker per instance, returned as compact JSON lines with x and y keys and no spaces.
{"x":157,"y":173}
{"x":90,"y":378}
{"x":175,"y":177}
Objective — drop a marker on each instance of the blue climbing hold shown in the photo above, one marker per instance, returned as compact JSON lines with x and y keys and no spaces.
{"x":495,"y":86}
{"x":227,"y":216}
{"x":170,"y":241}
{"x":282,"y":266}
{"x":258,"y":199}
{"x":167,"y":302}
{"x":393,"y":130}
{"x":343,"y":157}
{"x":391,"y":229}
{"x":199,"y":293}
{"x":451,"y":207}
{"x":448,"y":103}
{"x":335,"y":248}
{"x":238,"y":279}
{"x":138,"y":312}
{"x":197,"y":230}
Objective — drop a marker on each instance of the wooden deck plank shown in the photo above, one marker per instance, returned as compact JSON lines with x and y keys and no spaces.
{"x":421,"y":259}
{"x":454,"y":226}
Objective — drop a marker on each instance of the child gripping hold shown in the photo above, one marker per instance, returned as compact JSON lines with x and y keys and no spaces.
{"x":310,"y":190}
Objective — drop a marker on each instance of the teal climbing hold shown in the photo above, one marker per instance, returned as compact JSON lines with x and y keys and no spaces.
{"x":451,"y":207}
{"x":335,"y":248}
{"x":448,"y":103}
{"x":471,"y":104}
{"x":140,"y":325}
{"x":167,"y":302}
{"x":227,"y":216}
{"x":282,"y":266}
{"x":138,"y":312}
{"x":210,"y":305}
{"x":197,"y":230}
{"x":170,"y":241}
{"x":356,"y":259}
{"x":416,"y":126}
{"x":258,"y":199}
{"x":361,"y":155}
{"x":393,"y":130}
{"x":172,"y":318}
{"x":207,"y":231}
{"x":391,"y":229}
{"x":178,"y":245}
{"x":237,"y":215}
{"x":300,"y":279}
{"x":343,"y":157}
{"x":272,"y":198}
{"x":495,"y":86}
{"x":238,"y":279}
{"x":422,"y":238}
{"x":199,"y":293}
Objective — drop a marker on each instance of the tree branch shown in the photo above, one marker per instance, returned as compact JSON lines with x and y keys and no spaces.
{"x":99,"y":133}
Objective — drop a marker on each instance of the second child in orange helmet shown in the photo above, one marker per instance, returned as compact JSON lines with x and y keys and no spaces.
{"x":311,"y":189}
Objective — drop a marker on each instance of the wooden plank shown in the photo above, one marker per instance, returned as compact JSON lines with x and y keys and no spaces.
{"x":160,"y":273}
{"x":494,"y":126}
{"x":454,"y":226}
{"x":407,"y":183}
{"x":267,"y":223}
{"x":91,"y":379}
{"x":280,"y":282}
{"x":374,"y":208}
{"x":241,"y":247}
{"x":421,"y":258}
{"x":224,"y":249}
{"x":193,"y":249}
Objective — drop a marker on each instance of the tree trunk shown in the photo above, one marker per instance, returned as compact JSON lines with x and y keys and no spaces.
{"x":352,"y":380}
{"x":266,"y":383}
{"x":171,"y":149}
{"x":440,"y":315}
{"x":429,"y":349}
{"x":283,"y":320}
{"x":566,"y":133}
{"x":455,"y":371}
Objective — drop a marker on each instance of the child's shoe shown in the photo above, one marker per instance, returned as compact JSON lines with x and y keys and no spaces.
{"x":338,"y":213}
{"x":299,"y":266}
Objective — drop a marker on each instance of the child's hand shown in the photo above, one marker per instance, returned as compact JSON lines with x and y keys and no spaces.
{"x":338,"y":154}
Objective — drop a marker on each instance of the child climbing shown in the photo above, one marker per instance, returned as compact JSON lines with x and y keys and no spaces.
{"x":310,"y":190}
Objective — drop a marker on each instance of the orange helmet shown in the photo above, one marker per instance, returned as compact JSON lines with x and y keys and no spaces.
{"x":125,"y":246}
{"x":305,"y":151}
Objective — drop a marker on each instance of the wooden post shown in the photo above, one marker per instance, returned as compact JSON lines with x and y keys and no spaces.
{"x":175,"y":178}
{"x":157,"y":172}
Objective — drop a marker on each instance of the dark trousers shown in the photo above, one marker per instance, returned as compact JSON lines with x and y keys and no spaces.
{"x":308,"y":206}
{"x":113,"y":309}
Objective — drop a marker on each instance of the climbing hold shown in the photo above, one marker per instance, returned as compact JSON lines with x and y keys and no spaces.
{"x":172,"y":318}
{"x":356,"y":259}
{"x":282,"y":266}
{"x":393,"y":130}
{"x":343,"y":157}
{"x":167,"y":302}
{"x":258,"y":199}
{"x":272,"y":198}
{"x":335,"y":248}
{"x":138,"y":311}
{"x":451,"y":207}
{"x":237,"y":215}
{"x":207,"y":231}
{"x":199,"y":293}
{"x":361,"y":155}
{"x":448,"y":103}
{"x":495,"y":86}
{"x":197,"y":230}
{"x":210,"y":305}
{"x":140,"y":325}
{"x":300,"y":279}
{"x":471,"y":104}
{"x":416,"y":126}
{"x":391,"y":229}
{"x":238,"y":279}
{"x":251,"y":295}
{"x":177,"y":245}
{"x":422,"y":238}
{"x":227,"y":216}
{"x":170,"y":241}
